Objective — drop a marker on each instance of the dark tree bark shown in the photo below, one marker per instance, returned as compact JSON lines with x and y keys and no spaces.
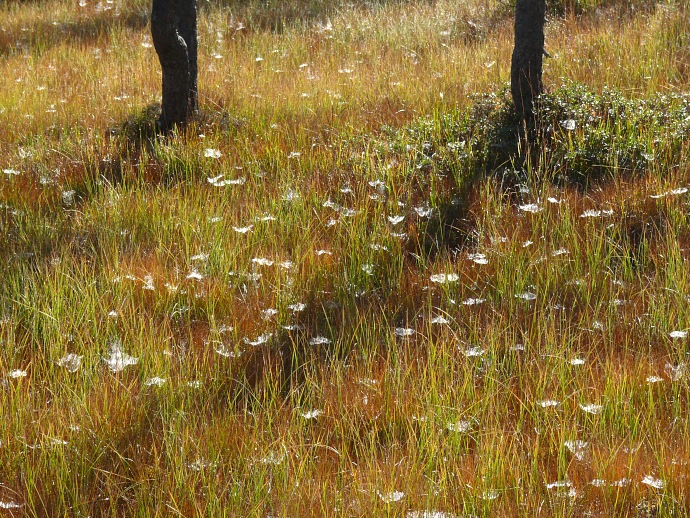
{"x":526,"y":66}
{"x":174,"y":33}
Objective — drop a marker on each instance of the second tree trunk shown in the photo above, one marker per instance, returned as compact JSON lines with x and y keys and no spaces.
{"x":526,"y":65}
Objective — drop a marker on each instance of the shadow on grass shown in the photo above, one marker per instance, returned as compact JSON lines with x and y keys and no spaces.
{"x":583,"y":140}
{"x":138,"y":140}
{"x":140,"y":128}
{"x":270,"y":15}
{"x":43,"y":35}
{"x":278,"y":15}
{"x":447,"y":158}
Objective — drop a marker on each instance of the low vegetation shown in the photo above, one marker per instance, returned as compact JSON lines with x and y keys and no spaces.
{"x":347,"y":289}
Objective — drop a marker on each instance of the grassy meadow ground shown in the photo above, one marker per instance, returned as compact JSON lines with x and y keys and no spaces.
{"x":346,"y":290}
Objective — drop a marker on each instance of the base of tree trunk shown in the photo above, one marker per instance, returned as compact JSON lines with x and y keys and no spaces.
{"x":526,"y":65}
{"x":174,"y":34}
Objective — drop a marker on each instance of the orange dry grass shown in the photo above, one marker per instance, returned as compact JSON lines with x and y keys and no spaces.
{"x":453,"y":416}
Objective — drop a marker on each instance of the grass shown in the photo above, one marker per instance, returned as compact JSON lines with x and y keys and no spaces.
{"x":363,"y":295}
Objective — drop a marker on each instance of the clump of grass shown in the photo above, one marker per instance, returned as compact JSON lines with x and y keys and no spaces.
{"x":590,"y":136}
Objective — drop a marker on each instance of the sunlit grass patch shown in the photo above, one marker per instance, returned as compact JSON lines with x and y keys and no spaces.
{"x":346,"y":288}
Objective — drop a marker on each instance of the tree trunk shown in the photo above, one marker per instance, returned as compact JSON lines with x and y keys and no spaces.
{"x":174,"y":33}
{"x":526,"y":67}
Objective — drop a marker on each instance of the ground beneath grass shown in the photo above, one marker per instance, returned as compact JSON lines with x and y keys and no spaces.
{"x":348,"y":288}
